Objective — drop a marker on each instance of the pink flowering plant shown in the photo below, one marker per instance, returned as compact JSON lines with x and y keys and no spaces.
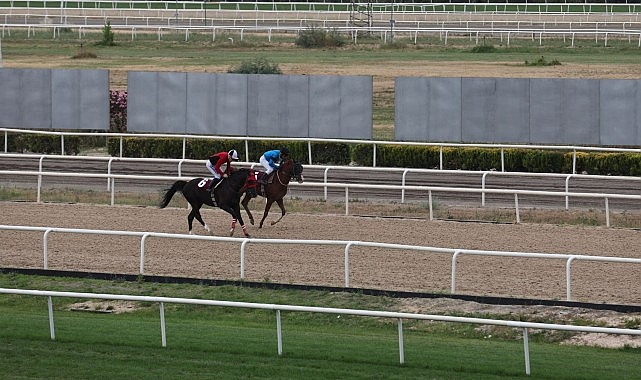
{"x":118,"y":111}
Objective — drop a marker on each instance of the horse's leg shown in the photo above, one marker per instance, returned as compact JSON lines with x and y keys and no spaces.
{"x":282,"y":210}
{"x":195,"y":213}
{"x":245,"y":204}
{"x":240,"y":219}
{"x":233,"y":226}
{"x":234,"y":211}
{"x":268,"y":205}
{"x":200,"y":219}
{"x":190,"y":220}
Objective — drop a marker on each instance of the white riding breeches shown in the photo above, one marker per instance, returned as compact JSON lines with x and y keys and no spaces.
{"x":263,"y":161}
{"x":213,"y":171}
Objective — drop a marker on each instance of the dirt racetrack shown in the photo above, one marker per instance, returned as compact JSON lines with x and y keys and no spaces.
{"x":378,"y":268}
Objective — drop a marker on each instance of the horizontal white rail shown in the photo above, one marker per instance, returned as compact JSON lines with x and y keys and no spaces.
{"x":399,"y":316}
{"x":563,"y":8}
{"x":443,"y":32}
{"x":244,"y":242}
{"x":346,"y":186}
{"x":570,"y":148}
{"x":326,"y":170}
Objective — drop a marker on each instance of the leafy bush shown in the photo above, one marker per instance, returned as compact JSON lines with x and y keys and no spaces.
{"x":107,"y":36}
{"x":84,"y":53}
{"x":258,"y":66}
{"x":543,"y":62}
{"x":47,"y":144}
{"x":117,"y":111}
{"x":313,"y":37}
{"x":484,"y":49}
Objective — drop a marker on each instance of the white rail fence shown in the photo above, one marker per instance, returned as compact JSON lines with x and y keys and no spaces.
{"x":441,"y":20}
{"x":278,"y":308}
{"x":245,"y":242}
{"x":443,"y":32}
{"x":428,"y":190}
{"x":326,"y":170}
{"x":374,"y":143}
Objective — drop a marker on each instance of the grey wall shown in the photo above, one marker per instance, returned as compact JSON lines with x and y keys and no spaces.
{"x":54,"y":99}
{"x":250,"y":104}
{"x":519,"y":110}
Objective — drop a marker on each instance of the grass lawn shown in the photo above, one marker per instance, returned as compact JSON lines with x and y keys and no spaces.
{"x":205,"y":342}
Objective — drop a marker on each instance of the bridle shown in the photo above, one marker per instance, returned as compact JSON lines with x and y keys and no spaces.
{"x":278,"y":176}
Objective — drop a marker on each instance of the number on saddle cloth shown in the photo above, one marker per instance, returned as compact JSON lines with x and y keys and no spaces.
{"x":209,"y":184}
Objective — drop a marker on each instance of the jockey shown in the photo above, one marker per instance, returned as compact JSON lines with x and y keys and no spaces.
{"x":217,"y":160}
{"x":271,"y":160}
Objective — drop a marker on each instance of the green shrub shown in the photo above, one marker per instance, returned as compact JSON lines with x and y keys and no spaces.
{"x":313,"y":37}
{"x":407,"y":156}
{"x":484,"y":49}
{"x":257,"y":66}
{"x":84,"y":53}
{"x":46,"y":144}
{"x":543,"y":62}
{"x":544,"y":161}
{"x":336,"y":153}
{"x":107,"y":36}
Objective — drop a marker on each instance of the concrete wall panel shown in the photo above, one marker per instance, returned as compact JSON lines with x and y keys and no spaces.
{"x":80,"y":99}
{"x":620,"y":116}
{"x":564,"y":111}
{"x":495,"y":110}
{"x":10,"y":98}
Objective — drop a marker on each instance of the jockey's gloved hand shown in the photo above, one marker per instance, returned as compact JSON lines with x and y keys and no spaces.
{"x":225,"y":175}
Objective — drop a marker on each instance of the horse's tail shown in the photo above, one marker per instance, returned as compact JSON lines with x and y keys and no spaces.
{"x":169,"y":193}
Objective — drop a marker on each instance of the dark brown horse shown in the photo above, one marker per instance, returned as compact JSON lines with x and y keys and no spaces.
{"x":275,"y":189}
{"x":226,"y":194}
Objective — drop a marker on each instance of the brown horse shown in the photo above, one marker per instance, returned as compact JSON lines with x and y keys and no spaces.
{"x":275,"y":189}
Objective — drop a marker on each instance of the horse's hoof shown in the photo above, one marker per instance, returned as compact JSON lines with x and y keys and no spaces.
{"x":251,"y":221}
{"x":247,"y":236}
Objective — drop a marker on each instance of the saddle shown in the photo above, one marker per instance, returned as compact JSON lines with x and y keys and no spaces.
{"x":209,"y":186}
{"x":269,"y":177}
{"x":264,"y":179}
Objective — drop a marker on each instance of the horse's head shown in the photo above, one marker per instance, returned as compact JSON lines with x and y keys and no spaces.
{"x":297,"y":173}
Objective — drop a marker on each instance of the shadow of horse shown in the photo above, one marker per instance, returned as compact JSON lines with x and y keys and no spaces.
{"x":226,"y":193}
{"x":276,"y":189}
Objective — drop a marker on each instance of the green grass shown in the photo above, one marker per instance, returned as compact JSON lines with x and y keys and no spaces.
{"x":215,"y":342}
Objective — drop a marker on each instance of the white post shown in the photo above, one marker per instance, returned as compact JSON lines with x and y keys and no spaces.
{"x":526,"y":350}
{"x":279,"y":333}
{"x":163,"y":331}
{"x":401,"y":352}
{"x":52,"y":330}
{"x":0,"y":52}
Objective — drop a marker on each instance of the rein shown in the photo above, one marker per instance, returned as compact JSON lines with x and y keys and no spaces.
{"x":279,"y":180}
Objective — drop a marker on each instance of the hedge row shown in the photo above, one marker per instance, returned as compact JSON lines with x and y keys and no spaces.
{"x":334,"y":153}
{"x":47,"y":144}
{"x":460,"y":158}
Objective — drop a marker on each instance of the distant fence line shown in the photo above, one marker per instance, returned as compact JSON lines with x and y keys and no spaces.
{"x":444,"y":32}
{"x":245,"y":242}
{"x":399,"y":316}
